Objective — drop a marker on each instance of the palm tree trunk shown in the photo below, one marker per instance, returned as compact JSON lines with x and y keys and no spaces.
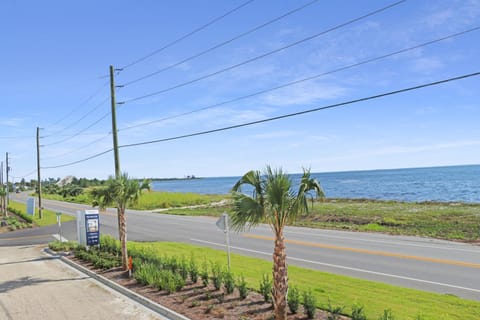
{"x":123,"y":238}
{"x":280,"y":277}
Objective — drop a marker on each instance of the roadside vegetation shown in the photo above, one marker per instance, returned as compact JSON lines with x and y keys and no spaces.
{"x":358,"y":299}
{"x":49,"y":217}
{"x":451,"y":221}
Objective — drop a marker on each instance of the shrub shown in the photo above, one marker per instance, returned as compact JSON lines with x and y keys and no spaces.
{"x":229,"y":282}
{"x":242,"y":287}
{"x":309,"y":304}
{"x":335,"y":311}
{"x":266,"y":288}
{"x":293,"y":299}
{"x":204,"y":273}
{"x":183,"y":268}
{"x":193,"y":270}
{"x":358,"y":313}
{"x":217,"y":275}
{"x":387,"y":315}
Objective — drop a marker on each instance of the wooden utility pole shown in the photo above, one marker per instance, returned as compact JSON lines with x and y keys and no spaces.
{"x":114,"y":123}
{"x":39,"y":182}
{"x":115,"y":139}
{"x":7,"y":198}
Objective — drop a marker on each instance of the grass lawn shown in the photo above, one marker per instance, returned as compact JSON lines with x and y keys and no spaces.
{"x":339,"y":290}
{"x":49,"y":217}
{"x":452,"y":221}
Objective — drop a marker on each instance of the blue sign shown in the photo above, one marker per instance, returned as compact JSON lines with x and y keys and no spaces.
{"x":92,"y":228}
{"x":31,"y":206}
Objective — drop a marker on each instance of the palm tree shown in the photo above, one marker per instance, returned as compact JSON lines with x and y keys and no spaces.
{"x":119,"y":192}
{"x":273,"y":202}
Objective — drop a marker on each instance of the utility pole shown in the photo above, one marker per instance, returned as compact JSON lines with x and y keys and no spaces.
{"x":8,"y":189}
{"x":39,"y":182}
{"x":2,"y":207}
{"x":114,"y":123}
{"x":115,"y":138}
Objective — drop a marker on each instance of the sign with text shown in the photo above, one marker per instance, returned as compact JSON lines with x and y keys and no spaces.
{"x":31,"y":206}
{"x":92,"y":228}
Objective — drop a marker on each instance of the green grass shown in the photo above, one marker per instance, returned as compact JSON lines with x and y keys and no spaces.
{"x":340,"y":290}
{"x":49,"y":217}
{"x":151,"y":200}
{"x":452,"y":221}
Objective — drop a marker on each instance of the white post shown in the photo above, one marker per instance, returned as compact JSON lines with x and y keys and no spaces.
{"x":227,"y":235}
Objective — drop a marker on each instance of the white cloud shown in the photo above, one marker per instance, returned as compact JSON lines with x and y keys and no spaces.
{"x":305,"y":93}
{"x":12,"y":122}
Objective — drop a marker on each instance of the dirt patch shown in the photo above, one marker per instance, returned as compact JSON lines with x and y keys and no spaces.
{"x":199,"y":303}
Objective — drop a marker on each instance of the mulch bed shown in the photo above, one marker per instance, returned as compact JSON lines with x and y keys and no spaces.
{"x":198,"y":302}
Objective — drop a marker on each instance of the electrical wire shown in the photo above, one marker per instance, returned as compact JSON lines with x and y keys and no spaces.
{"x":188,"y":34}
{"x":316,"y":109}
{"x":388,"y":55}
{"x":26,"y":175}
{"x":265,"y":54}
{"x":222,"y":43}
{"x":101,"y":103}
{"x":81,"y":104}
{"x":302,"y":112}
{"x":79,"y":161}
{"x":78,"y":148}
{"x":79,"y":132}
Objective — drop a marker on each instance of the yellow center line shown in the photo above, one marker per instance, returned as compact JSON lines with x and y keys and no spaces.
{"x":366,"y":251}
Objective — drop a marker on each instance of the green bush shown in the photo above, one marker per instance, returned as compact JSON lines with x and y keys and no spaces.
{"x":266,"y":288}
{"x":358,"y":313}
{"x":217,"y":275}
{"x":204,"y":273}
{"x":242,"y":287}
{"x":293,"y":299}
{"x":193,"y":270}
{"x":387,"y":315}
{"x":63,"y":246}
{"x":335,"y":311}
{"x":183,"y":268}
{"x":309,"y":304}
{"x":229,"y":281}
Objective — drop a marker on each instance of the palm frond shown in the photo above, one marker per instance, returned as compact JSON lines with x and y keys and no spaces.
{"x":246,"y":212}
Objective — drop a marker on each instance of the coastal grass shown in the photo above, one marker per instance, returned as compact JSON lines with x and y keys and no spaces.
{"x":151,"y":200}
{"x":443,"y":220}
{"x":49,"y":217}
{"x":339,"y":290}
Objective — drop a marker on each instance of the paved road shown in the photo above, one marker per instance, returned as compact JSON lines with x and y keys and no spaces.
{"x":36,"y":286}
{"x":425,"y":264}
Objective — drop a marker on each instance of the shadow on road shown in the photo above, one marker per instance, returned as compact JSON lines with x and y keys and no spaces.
{"x":28,"y":281}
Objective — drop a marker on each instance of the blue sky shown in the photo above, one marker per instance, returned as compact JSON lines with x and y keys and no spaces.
{"x":55,"y":55}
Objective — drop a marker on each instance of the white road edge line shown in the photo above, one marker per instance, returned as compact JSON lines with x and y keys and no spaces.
{"x":57,"y":236}
{"x":346,"y":268}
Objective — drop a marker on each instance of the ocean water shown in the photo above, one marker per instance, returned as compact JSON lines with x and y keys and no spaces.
{"x":454,"y":183}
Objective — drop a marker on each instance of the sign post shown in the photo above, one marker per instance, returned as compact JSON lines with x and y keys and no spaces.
{"x":223,"y":224}
{"x":59,"y":222}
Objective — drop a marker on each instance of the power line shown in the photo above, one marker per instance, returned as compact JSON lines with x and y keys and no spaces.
{"x":390,"y":93}
{"x":101,"y":103}
{"x":26,"y":175}
{"x":304,"y":79}
{"x":78,"y":148}
{"x":265,"y":54}
{"x":79,"y":161}
{"x":188,"y":34}
{"x":81,"y":104}
{"x":302,"y":112}
{"x":222,"y":43}
{"x":79,"y":132}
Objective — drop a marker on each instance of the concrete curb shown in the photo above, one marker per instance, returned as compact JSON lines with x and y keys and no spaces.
{"x":172,"y":315}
